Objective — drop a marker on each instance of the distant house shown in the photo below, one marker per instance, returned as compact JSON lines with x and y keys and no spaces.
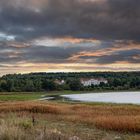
{"x":93,"y":81}
{"x":59,"y":82}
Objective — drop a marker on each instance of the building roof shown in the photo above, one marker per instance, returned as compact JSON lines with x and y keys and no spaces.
{"x":88,"y":79}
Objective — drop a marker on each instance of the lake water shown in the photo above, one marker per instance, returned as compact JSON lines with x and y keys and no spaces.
{"x":109,"y":97}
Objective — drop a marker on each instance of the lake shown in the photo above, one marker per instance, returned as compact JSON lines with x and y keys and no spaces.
{"x":108,"y":97}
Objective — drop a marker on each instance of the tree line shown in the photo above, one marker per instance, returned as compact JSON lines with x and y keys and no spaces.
{"x":35,"y":82}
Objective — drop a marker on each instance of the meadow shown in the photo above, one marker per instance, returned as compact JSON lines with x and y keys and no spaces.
{"x":27,"y":96}
{"x":41,"y":120}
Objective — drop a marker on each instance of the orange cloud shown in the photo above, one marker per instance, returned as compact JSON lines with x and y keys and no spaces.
{"x":107,"y":51}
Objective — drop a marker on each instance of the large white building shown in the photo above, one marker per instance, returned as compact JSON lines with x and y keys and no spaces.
{"x":93,"y":81}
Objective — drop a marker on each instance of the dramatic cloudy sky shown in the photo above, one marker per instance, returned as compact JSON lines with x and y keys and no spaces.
{"x":69,"y":35}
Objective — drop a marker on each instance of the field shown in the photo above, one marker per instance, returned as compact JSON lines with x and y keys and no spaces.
{"x":26,"y":96}
{"x":41,"y":120}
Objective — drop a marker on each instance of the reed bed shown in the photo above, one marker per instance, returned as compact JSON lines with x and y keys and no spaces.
{"x":125,"y":118}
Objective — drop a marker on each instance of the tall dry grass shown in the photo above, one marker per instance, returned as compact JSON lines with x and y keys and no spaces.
{"x":19,"y":130}
{"x":119,"y":123}
{"x":29,"y":107}
{"x":118,"y":117}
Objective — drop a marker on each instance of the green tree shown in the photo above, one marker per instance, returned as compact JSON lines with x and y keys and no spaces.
{"x":48,"y":85}
{"x":75,"y":84}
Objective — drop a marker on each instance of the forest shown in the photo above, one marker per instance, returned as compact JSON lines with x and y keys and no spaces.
{"x":35,"y":82}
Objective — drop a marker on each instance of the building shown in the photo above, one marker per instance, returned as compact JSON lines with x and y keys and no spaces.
{"x":93,"y":81}
{"x":59,"y":82}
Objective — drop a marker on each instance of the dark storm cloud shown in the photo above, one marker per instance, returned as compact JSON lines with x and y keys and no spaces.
{"x":60,"y":55}
{"x":10,"y":54}
{"x":114,"y":23}
{"x":42,"y":54}
{"x":131,"y":56}
{"x":102,"y":19}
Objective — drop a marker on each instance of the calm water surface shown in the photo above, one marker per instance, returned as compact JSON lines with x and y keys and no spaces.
{"x":108,"y":97}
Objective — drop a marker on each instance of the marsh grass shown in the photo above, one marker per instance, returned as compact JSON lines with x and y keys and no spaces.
{"x":119,"y":118}
{"x":22,"y":129}
{"x":55,"y":121}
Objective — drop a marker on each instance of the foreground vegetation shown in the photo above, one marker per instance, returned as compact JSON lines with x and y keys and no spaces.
{"x":19,"y":127}
{"x":23,"y":117}
{"x":38,"y":82}
{"x":59,"y":121}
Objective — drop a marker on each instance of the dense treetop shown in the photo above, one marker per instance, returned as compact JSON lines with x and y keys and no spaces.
{"x":45,"y":81}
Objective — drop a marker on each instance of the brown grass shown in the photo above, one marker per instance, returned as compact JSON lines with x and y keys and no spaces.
{"x":29,"y":107}
{"x":119,"y":123}
{"x":118,"y":117}
{"x":18,"y":130}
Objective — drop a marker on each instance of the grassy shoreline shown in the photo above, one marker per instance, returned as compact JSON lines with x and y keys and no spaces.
{"x":64,"y":120}
{"x":29,"y":96}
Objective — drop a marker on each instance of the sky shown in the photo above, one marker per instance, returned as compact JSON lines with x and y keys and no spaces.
{"x":69,"y":35}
